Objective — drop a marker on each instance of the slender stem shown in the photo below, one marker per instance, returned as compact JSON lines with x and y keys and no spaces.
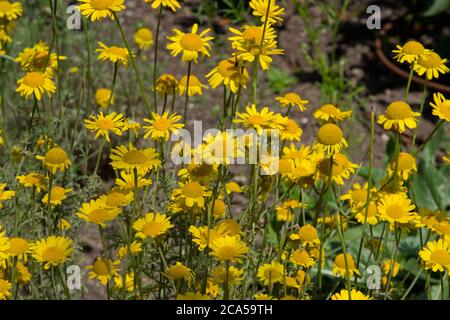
{"x":186,"y":99}
{"x":99,"y":157}
{"x":155,"y":62}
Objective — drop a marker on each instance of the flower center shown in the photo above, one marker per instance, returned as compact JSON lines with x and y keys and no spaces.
{"x":430,"y":61}
{"x":291,"y":127}
{"x":18,"y":245}
{"x":118,"y":52}
{"x":99,"y":215}
{"x":52,"y":254}
{"x":134,"y":157}
{"x":293,"y":98}
{"x":41,"y":59}
{"x":405,"y":161}
{"x":359,"y":195}
{"x":192,"y":190}
{"x":5,"y":6}
{"x":105,"y":123}
{"x":152,"y":228}
{"x":145,"y":35}
{"x":191,"y":42}
{"x":34,"y":79}
{"x":57,"y":193}
{"x":329,"y":134}
{"x":395,"y":211}
{"x":440,"y":256}
{"x":256,"y":120}
{"x":161,"y":124}
{"x":445,"y":108}
{"x":307,"y":233}
{"x":413,"y":47}
{"x":272,"y":274}
{"x":301,"y":257}
{"x":101,"y":4}
{"x":398,"y":110}
{"x":103,"y":94}
{"x":227,"y":252}
{"x":116,"y":199}
{"x":56,"y":156}
{"x":200,"y":170}
{"x":253,"y":35}
{"x":227,"y":68}
{"x":101,"y":267}
{"x":340,"y":261}
{"x":330,"y":109}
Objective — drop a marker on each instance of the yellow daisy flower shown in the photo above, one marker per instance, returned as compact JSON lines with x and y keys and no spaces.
{"x":10,"y":10}
{"x":126,"y":181}
{"x":372,"y":214}
{"x":202,"y":172}
{"x":410,"y":52}
{"x":258,"y":120}
{"x":357,"y":195}
{"x":330,"y":112}
{"x":221,"y":148}
{"x":179,"y":271}
{"x":97,"y":212}
{"x":23,"y":274}
{"x":431,"y":64}
{"x":5,"y":288}
{"x":301,"y":257}
{"x":291,"y":99}
{"x":161,"y":127}
{"x":52,"y":251}
{"x":135,"y":249}
{"x":33,"y":180}
{"x":19,"y":247}
{"x":190,"y":44}
{"x":143,"y":38}
{"x":191,"y":194}
{"x":166,"y":84}
{"x":130,"y":158}
{"x":307,"y":235}
{"x":406,"y":165}
{"x":249,"y":44}
{"x":219,"y":275}
{"x":441,"y":107}
{"x":100,"y":9}
{"x":64,"y":225}
{"x":55,"y":159}
{"x":396,"y":208}
{"x":291,"y":130}
{"x":35,"y":83}
{"x":436,"y":256}
{"x":233,"y":187}
{"x":114,"y":54}
{"x":353,"y":295}
{"x":344,"y":262}
{"x":152,"y":225}
{"x":103,"y":270}
{"x":398,"y":115}
{"x":195,"y":87}
{"x":271,"y":273}
{"x":103,"y":98}
{"x":172,"y":4}
{"x":230,"y":73}
{"x":102,"y":125}
{"x":129,"y":282}
{"x":57,"y":195}
{"x":133,"y":127}
{"x":330,"y":139}
{"x":5,"y":194}
{"x":203,"y":237}
{"x":260,"y":10}
{"x":116,"y":199}
{"x":387,"y":267}
{"x":228,"y":248}
{"x":342,"y":169}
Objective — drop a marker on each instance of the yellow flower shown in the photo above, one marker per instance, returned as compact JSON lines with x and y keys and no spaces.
{"x":409,"y":52}
{"x":202,"y":172}
{"x":436,"y":256}
{"x":133,"y":127}
{"x":166,"y":84}
{"x":329,"y":112}
{"x":103,"y":270}
{"x":172,"y":4}
{"x":260,"y":10}
{"x":114,"y":54}
{"x":354,"y":295}
{"x":97,"y":212}
{"x":219,"y":275}
{"x":195,"y":87}
{"x":52,"y":251}
{"x":179,"y":271}
{"x":230,"y":73}
{"x":271,"y":273}
{"x":307,"y":235}
{"x":229,"y":248}
{"x":301,"y":257}
{"x":129,"y":282}
{"x":162,"y":126}
{"x":249,"y":44}
{"x":23,"y":274}
{"x":298,"y":281}
{"x":129,"y":158}
{"x":193,"y":296}
{"x":126,"y":181}
{"x":100,"y":9}
{"x":258,"y":120}
{"x":5,"y":194}
{"x":233,"y":187}
{"x":222,"y":148}
{"x":143,"y":38}
{"x":218,"y":208}
{"x":330,"y":139}
{"x":406,"y":165}
{"x":398,"y":115}
{"x":115,"y":199}
{"x":372,"y":214}
{"x":64,"y":225}
{"x":103,"y":98}
{"x":55,"y":159}
{"x":431,"y":64}
{"x":35,"y":83}
{"x":291,"y":130}
{"x":357,"y":195}
{"x":39,"y":58}
{"x":32,"y":180}
{"x":19,"y":247}
{"x":344,"y":262}
{"x":342,"y":168}
{"x":57,"y":195}
{"x":203,"y":237}
{"x":396,"y":208}
{"x":103,"y":125}
{"x":191,"y":194}
{"x":152,"y":225}
{"x":190,"y":44}
{"x":387,"y":267}
{"x":441,"y":107}
{"x":135,"y":249}
{"x":5,"y":288}
{"x":292,"y":99}
{"x":263,"y":297}
{"x":10,"y":10}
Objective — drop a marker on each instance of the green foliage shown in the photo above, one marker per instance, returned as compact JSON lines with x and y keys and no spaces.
{"x":279,"y":80}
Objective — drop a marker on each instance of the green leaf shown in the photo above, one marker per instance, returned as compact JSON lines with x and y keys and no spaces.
{"x":279,"y":80}
{"x":437,"y":7}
